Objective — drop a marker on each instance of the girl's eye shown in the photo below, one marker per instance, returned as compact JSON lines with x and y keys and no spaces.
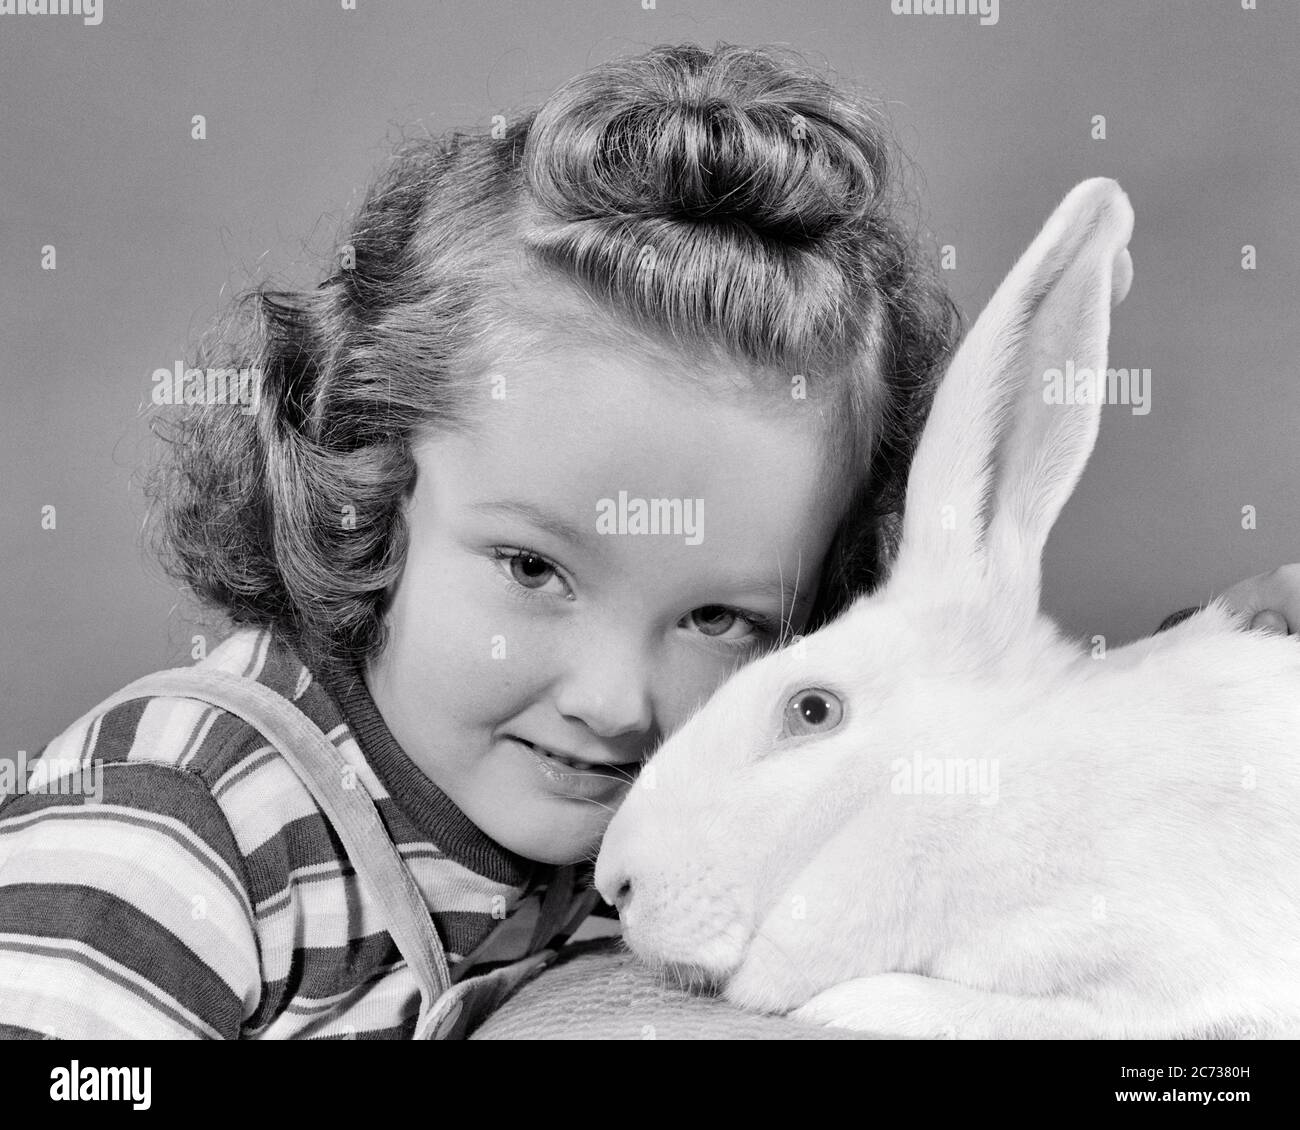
{"x":529,"y":570}
{"x":717,"y":621}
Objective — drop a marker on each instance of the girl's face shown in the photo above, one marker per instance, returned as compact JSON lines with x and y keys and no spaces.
{"x":532,"y":629}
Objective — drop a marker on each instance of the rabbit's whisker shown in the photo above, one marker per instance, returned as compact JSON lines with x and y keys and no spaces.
{"x":589,"y":800}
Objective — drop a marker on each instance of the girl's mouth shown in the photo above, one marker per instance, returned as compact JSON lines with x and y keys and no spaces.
{"x":575,"y":778}
{"x":574,"y":764}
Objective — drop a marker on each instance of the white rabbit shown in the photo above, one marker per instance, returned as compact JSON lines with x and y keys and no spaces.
{"x":1117,"y":853}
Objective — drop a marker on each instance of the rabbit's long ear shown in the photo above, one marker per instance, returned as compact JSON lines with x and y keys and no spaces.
{"x":1001,"y":453}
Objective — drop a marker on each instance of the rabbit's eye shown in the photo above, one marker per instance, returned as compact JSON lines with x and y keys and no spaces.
{"x":813,"y":710}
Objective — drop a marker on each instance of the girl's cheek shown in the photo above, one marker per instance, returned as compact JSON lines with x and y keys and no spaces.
{"x":450,"y":646}
{"x":505,"y":650}
{"x":689,"y":680}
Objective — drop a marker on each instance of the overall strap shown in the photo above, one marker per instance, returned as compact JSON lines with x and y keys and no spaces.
{"x":350,"y":810}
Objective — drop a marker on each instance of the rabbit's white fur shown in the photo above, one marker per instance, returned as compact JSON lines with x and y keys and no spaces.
{"x":1137,"y":873}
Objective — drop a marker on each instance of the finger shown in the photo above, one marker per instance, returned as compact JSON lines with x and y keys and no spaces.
{"x":1280,"y":593}
{"x":1247,"y":597}
{"x":1277,"y":592}
{"x":1270,"y":621}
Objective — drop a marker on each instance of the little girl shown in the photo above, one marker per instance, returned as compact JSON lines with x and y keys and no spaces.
{"x":677,"y":290}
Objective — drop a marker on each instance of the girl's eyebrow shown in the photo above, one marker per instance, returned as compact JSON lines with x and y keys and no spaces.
{"x":541,"y":518}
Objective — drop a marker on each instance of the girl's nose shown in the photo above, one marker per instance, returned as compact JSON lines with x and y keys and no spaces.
{"x":609,"y":690}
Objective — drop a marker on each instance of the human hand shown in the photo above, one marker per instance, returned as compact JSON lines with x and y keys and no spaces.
{"x":1269,"y":600}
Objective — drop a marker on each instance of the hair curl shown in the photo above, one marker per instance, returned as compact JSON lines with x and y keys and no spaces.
{"x":766,"y":205}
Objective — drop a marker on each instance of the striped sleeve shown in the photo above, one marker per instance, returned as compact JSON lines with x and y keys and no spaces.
{"x":124,"y":912}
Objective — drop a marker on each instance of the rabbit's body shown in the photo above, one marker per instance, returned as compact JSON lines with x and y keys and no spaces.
{"x":1137,"y":869}
{"x":937,"y":816}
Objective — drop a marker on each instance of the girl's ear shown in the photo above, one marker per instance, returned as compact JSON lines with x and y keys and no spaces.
{"x":1016,"y":417}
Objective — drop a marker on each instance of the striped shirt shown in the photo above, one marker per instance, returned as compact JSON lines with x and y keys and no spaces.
{"x":203,"y":894}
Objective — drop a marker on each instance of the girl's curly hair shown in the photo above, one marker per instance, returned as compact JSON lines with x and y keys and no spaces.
{"x":718,"y":202}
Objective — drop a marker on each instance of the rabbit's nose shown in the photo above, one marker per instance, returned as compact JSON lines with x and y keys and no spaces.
{"x":615,"y":889}
{"x":622,"y":896}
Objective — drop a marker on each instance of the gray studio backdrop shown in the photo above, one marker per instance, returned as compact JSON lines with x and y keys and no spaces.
{"x":303,"y":97}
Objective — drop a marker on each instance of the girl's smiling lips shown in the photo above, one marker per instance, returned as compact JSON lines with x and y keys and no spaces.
{"x":575,"y":775}
{"x":578,"y":763}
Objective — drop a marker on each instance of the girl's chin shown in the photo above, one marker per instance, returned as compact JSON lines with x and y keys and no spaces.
{"x":549,"y":829}
{"x":557,"y":844}
{"x":528,"y":807}
{"x":543,"y":814}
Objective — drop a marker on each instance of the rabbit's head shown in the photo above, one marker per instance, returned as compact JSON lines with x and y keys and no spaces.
{"x":766,"y":847}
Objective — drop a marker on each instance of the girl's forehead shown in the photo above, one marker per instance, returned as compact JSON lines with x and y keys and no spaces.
{"x":572,"y":431}
{"x":628,"y":406}
{"x":599,"y":403}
